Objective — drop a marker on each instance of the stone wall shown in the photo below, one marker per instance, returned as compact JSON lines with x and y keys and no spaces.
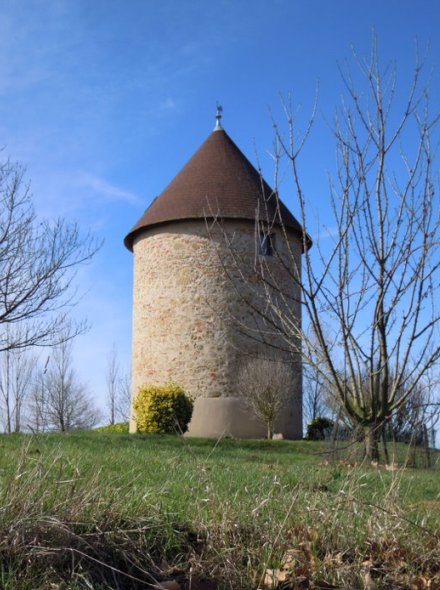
{"x":192,"y":322}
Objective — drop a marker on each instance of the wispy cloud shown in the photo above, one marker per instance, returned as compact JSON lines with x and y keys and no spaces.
{"x":325,"y":232}
{"x":109,"y":191}
{"x":168,"y":104}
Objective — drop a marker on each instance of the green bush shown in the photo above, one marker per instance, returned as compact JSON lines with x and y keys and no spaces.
{"x":319,"y":428}
{"x":162,"y":409}
{"x":118,"y":427}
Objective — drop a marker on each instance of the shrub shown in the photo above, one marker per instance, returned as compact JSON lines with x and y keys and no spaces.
{"x":319,"y":428}
{"x":118,"y":427}
{"x":162,"y":409}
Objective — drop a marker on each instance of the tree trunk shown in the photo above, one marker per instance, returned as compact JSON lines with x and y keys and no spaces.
{"x":269,"y":430}
{"x":371,"y":443}
{"x":8,"y":416}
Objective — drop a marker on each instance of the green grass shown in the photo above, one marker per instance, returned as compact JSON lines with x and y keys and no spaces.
{"x":74,"y":506}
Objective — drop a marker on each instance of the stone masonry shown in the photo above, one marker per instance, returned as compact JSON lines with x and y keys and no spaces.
{"x":192,"y":325}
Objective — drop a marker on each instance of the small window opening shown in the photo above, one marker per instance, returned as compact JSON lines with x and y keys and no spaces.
{"x":266,"y":244}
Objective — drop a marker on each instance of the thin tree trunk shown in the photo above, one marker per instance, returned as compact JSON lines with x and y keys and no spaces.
{"x":270,"y":430}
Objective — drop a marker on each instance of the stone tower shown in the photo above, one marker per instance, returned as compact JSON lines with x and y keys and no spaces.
{"x":195,"y":289}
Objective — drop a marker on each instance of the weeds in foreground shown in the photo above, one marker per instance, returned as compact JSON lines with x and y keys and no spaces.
{"x":62,"y":528}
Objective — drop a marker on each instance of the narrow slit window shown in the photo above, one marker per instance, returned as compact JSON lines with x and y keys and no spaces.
{"x":266,"y":244}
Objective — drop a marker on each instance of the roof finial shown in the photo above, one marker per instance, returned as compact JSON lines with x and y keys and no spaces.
{"x":218,"y":116}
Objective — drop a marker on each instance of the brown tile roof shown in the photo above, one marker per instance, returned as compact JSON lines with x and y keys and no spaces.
{"x":217,"y":181}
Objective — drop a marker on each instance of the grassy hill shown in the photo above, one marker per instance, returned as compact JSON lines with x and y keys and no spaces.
{"x":103,"y":511}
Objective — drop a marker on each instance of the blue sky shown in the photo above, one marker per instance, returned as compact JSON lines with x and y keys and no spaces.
{"x":103,"y":101}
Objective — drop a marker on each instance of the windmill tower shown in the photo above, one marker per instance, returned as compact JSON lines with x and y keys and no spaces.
{"x":189,"y":294}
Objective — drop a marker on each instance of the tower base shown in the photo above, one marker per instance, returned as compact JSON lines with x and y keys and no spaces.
{"x":217,"y":417}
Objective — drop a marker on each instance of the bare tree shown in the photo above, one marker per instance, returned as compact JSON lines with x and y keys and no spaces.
{"x":317,"y":400}
{"x":37,"y":263}
{"x":118,"y":390}
{"x":418,"y":415}
{"x":112,"y":379}
{"x":265,"y":386}
{"x":123,"y":398}
{"x":368,"y":288}
{"x":368,"y":285}
{"x":36,"y":415}
{"x":61,"y":401}
{"x":16,"y":374}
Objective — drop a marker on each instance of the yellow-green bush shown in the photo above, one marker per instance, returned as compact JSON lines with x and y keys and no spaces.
{"x":162,"y":408}
{"x":118,"y":427}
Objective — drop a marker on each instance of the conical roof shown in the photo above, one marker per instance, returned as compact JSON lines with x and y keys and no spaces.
{"x":217,"y":181}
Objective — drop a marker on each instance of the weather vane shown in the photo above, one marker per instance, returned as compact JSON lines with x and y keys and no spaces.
{"x":218,"y":116}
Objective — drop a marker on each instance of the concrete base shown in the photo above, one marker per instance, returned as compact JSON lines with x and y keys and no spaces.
{"x":228,"y":416}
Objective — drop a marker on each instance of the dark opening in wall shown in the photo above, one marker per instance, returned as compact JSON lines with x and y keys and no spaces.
{"x":266,"y":244}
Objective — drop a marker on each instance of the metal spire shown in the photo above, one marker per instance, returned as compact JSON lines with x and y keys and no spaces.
{"x":218,"y":116}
